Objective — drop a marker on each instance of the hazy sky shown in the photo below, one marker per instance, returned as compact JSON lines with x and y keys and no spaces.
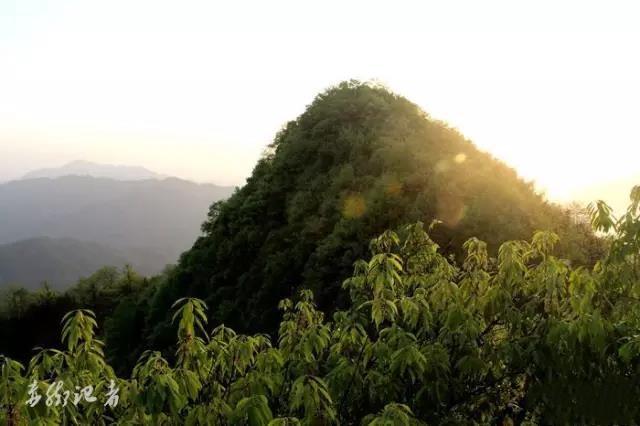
{"x":197,"y":89}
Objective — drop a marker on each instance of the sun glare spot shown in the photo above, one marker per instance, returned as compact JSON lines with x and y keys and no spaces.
{"x":354,"y":207}
{"x":460,"y":158}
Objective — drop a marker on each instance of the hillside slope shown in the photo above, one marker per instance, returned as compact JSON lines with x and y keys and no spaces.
{"x":153,"y":219}
{"x":62,"y":261}
{"x":358,"y":161}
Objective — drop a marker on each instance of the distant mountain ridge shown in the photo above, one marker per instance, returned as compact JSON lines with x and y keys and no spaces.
{"x":147,"y":223}
{"x":61,"y":261}
{"x":88,"y":168}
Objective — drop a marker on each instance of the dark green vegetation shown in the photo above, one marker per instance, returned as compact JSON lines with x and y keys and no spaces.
{"x":125,"y":221}
{"x":358,"y":161}
{"x":523,"y":339}
{"x":443,"y":327}
{"x":119,"y":297}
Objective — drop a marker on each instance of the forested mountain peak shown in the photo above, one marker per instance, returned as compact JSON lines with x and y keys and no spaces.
{"x":359,"y":160}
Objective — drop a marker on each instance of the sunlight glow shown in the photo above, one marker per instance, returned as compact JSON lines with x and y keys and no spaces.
{"x":198,"y":89}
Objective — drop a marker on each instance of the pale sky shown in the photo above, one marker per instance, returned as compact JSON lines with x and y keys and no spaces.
{"x":197,"y":89}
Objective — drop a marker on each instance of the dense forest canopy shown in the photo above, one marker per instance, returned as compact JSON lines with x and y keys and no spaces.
{"x":359,"y":160}
{"x":119,"y":298}
{"x":471,"y":319}
{"x":523,"y":338}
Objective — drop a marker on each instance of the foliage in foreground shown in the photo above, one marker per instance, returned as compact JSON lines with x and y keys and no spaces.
{"x":358,"y":161}
{"x":118,"y":298}
{"x":523,"y":338}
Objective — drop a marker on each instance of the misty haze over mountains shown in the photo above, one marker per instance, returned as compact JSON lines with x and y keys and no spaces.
{"x":62,"y":223}
{"x":58,"y":224}
{"x":61,"y":261}
{"x":88,"y":168}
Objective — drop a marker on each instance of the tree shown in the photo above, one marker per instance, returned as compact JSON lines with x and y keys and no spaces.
{"x":359,"y":160}
{"x":522,"y":338}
